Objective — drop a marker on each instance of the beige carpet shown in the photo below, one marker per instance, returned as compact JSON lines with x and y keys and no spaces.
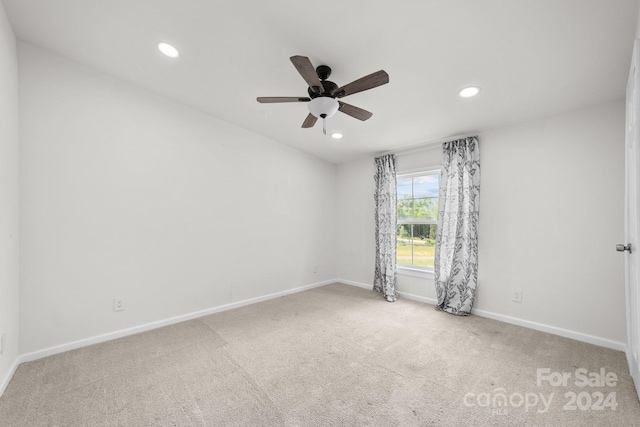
{"x":332,"y":356}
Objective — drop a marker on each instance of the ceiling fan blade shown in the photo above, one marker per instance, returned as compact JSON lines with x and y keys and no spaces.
{"x":309,"y":121}
{"x":376,"y":79}
{"x":271,"y":99}
{"x":308,"y":72}
{"x":355,"y":112}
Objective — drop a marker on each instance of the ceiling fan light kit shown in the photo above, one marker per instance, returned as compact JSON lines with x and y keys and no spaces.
{"x":323,"y":93}
{"x":323,"y":107}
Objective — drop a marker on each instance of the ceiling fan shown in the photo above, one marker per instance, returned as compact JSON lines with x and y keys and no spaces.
{"x":323,"y":93}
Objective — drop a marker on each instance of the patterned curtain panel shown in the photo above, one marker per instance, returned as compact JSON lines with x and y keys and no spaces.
{"x":456,"y":258}
{"x":386,"y":212}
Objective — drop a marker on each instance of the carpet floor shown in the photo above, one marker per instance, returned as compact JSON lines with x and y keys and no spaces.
{"x":331,"y":356}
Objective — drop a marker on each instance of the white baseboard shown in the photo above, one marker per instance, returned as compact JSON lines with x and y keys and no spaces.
{"x":426,"y":300}
{"x":160,"y":323}
{"x":402,"y":294}
{"x":166,"y":322}
{"x":9,"y":376}
{"x":356,"y":284}
{"x":578,"y":336}
{"x":566,"y":333}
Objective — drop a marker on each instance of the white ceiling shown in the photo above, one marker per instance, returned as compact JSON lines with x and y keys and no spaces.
{"x":531,"y":58}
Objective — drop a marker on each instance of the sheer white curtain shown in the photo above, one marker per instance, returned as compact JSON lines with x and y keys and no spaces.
{"x":456,"y":258}
{"x":384,"y":280}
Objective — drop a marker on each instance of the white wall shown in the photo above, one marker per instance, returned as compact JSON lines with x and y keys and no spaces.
{"x":9,"y":202}
{"x":126,"y":194}
{"x":551,"y":212}
{"x":638,"y":25}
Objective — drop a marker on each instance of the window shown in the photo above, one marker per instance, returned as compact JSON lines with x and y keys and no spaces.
{"x":417,"y":219}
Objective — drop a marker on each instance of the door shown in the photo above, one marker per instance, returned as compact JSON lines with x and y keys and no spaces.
{"x":631,"y":248}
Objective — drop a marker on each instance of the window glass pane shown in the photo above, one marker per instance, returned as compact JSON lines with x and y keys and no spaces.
{"x":425,"y":208}
{"x":405,"y":209}
{"x":417,"y":202}
{"x":404,"y":188}
{"x":424,"y":244}
{"x":426,"y":186}
{"x":404,"y":249}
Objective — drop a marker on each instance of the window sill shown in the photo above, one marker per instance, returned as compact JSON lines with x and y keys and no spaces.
{"x":415,"y":272}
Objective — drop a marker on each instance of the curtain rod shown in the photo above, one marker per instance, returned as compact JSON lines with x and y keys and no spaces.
{"x":426,"y":145}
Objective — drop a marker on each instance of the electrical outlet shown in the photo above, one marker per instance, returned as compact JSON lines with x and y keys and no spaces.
{"x":315,"y":268}
{"x":118,"y":304}
{"x":517,"y":296}
{"x":3,"y":339}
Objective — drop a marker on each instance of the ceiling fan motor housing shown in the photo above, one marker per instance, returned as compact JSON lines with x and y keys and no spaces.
{"x":323,"y":72}
{"x":329,"y":89}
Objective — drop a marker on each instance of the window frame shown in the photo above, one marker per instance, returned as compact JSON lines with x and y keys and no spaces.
{"x":414,"y":270}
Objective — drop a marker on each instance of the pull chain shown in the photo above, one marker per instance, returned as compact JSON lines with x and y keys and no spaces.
{"x":324,"y":125}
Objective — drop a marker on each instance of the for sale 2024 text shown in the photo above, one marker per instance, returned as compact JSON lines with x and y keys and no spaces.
{"x":594,"y":400}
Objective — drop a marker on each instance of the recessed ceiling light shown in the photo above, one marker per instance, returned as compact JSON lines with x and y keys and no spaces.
{"x":336,"y":135}
{"x":470,"y":91}
{"x":168,"y":50}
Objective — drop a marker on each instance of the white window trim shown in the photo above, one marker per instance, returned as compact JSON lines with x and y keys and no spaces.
{"x":419,"y":171}
{"x":412,"y":270}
